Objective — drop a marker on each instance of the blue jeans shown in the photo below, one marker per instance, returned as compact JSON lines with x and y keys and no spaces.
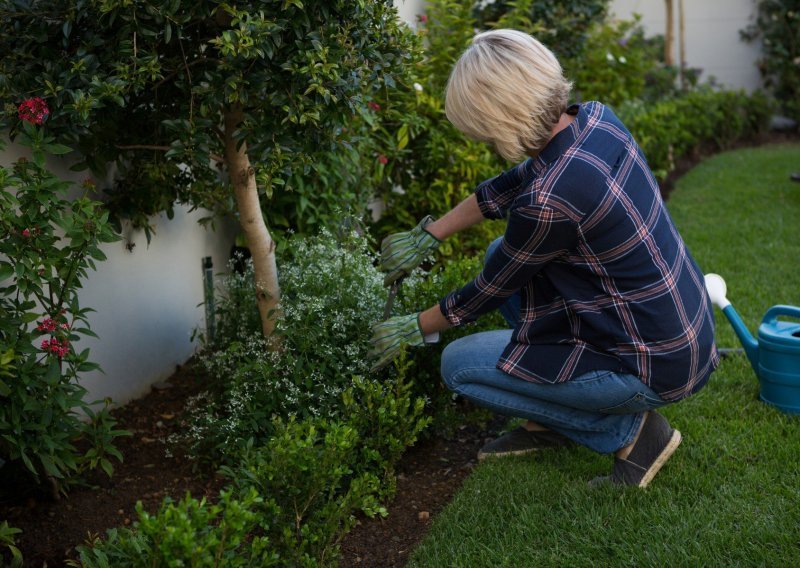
{"x":601,"y":410}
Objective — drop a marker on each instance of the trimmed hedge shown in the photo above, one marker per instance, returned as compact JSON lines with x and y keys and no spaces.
{"x":704,"y":119}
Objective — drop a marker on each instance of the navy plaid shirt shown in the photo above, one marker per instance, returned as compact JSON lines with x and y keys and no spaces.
{"x":605,"y":279}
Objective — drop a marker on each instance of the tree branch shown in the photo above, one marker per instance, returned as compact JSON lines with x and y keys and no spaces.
{"x":215,"y":157}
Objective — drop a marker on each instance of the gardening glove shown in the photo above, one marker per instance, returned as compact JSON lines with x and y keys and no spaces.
{"x":403,"y":252}
{"x":389,"y":337}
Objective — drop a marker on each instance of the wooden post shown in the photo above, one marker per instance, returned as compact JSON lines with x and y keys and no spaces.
{"x":682,"y":47}
{"x":669,"y":37}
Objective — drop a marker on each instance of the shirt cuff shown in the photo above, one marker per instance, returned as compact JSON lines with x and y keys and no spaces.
{"x":449,"y":307}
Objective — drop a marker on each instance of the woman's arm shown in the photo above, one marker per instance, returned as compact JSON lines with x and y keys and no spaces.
{"x":460,"y":217}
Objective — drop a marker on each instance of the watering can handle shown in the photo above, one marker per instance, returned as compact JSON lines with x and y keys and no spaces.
{"x":772,"y":314}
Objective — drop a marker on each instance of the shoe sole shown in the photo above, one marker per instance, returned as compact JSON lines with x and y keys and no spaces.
{"x":666,"y":453}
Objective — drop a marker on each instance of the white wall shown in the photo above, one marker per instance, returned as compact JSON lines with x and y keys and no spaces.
{"x":147,"y":301}
{"x":408,"y":9}
{"x":712,"y":36}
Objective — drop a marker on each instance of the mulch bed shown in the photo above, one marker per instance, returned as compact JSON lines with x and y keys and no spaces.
{"x":428,"y":475}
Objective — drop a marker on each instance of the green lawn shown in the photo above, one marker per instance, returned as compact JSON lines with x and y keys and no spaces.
{"x":731,"y":493}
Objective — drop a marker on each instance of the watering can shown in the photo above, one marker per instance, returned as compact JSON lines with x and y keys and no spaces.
{"x":775,"y":355}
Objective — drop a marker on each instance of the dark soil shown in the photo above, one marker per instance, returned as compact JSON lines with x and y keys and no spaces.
{"x":428,"y":475}
{"x":52,"y":528}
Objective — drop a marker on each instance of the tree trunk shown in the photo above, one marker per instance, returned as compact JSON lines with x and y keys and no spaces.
{"x":262,"y":247}
{"x":669,"y":37}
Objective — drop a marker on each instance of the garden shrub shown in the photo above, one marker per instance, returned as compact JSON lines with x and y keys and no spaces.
{"x":7,"y":542}
{"x":190,"y":532}
{"x":778,"y":26}
{"x":616,"y":65}
{"x":703,"y":118}
{"x":332,"y":294}
{"x":48,"y":243}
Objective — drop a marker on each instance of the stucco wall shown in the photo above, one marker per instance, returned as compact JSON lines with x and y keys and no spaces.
{"x":712,"y":36}
{"x":147,"y":301}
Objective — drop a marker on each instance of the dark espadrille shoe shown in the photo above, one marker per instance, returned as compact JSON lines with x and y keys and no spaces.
{"x":521,"y":441}
{"x":656,"y":443}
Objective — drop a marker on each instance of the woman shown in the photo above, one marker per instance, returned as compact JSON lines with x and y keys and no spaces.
{"x":610,"y":318}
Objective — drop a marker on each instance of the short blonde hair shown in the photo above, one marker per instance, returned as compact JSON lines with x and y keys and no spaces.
{"x":509,"y":90}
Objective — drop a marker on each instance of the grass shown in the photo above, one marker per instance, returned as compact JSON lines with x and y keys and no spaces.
{"x":731,"y":493}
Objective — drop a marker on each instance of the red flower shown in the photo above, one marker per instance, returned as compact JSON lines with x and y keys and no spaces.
{"x":422,"y":18}
{"x":383,"y":159}
{"x":47,"y":324}
{"x":33,"y":110}
{"x":374,"y":106}
{"x":26,"y":233}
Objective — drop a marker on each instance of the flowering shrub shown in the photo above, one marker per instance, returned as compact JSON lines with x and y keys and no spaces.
{"x":33,"y":110}
{"x":332,"y":293}
{"x":47,"y":245}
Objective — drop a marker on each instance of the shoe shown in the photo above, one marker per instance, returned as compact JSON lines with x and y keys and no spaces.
{"x":521,"y":441}
{"x":795,"y":176}
{"x":656,"y":443}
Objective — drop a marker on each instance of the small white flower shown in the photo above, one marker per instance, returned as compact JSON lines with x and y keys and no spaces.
{"x":609,"y":56}
{"x":418,"y":87}
{"x":622,"y":59}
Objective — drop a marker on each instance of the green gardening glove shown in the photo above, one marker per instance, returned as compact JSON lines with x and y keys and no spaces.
{"x":389,"y":337}
{"x":403,"y":252}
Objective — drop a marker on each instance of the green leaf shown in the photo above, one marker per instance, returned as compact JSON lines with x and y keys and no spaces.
{"x":107,"y":467}
{"x":56,"y":149}
{"x":53,"y":372}
{"x":6,"y":270}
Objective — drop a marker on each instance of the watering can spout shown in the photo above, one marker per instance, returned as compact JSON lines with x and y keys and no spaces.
{"x":717,"y":290}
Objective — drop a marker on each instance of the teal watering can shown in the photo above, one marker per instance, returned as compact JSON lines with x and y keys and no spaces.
{"x":775,"y":356}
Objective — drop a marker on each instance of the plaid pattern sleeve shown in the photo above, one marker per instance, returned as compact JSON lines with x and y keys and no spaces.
{"x":606,"y":281}
{"x":496,"y":194}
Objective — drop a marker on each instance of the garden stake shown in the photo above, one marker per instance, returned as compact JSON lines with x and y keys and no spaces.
{"x":387,"y":311}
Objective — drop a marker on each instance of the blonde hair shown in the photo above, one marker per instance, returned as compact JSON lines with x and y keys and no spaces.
{"x":509,"y":90}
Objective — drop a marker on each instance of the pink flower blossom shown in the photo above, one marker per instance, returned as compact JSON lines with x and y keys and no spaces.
{"x":56,"y":347}
{"x":33,"y":110}
{"x":374,"y":106}
{"x":26,"y":233}
{"x":47,"y":324}
{"x":383,"y":159}
{"x":422,"y":18}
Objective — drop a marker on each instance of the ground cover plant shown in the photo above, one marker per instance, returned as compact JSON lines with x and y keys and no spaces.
{"x":729,"y":495}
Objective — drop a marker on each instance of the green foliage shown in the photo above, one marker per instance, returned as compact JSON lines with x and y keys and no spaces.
{"x":419,"y":291}
{"x":701,"y":119}
{"x":190,"y":532}
{"x":778,"y":26}
{"x":325,"y":330}
{"x":47,"y":245}
{"x":388,"y":416}
{"x":145,"y":87}
{"x":616,"y":64}
{"x":307,"y":468}
{"x":563,"y":26}
{"x":7,"y":541}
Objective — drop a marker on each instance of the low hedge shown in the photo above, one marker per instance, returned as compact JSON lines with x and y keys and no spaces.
{"x":702,"y":119}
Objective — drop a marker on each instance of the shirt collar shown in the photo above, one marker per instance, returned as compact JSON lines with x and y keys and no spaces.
{"x":561,"y":142}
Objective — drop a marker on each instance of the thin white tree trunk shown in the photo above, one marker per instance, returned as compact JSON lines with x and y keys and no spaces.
{"x":262,"y":247}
